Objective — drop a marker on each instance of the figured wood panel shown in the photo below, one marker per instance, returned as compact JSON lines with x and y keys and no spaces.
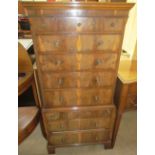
{"x":78,"y":43}
{"x":77,"y":62}
{"x":78,"y":24}
{"x":78,"y":119}
{"x":78,"y":97}
{"x":78,"y":113}
{"x":77,"y":79}
{"x":53,"y":49}
{"x":82,"y":124}
{"x":82,"y":137}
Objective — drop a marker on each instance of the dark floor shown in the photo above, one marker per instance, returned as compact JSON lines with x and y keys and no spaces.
{"x":126,"y":143}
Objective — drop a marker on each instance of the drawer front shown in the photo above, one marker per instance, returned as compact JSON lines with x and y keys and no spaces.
{"x":77,"y":62}
{"x":64,"y":138}
{"x":77,"y":79}
{"x":50,"y":115}
{"x":77,"y":97}
{"x":78,"y":24}
{"x":79,"y":124}
{"x":78,"y":43}
{"x":112,"y":24}
{"x":107,"y":42}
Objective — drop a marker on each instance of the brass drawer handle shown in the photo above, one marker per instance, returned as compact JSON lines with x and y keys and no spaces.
{"x":98,"y":61}
{"x":96,"y":138}
{"x":60,"y":81}
{"x":97,"y":80}
{"x":61,"y":126}
{"x":106,"y":113}
{"x":56,"y":43}
{"x":96,"y":98}
{"x":79,"y":24}
{"x":94,"y":124}
{"x":100,"y":43}
{"x":58,"y":62}
{"x":61,"y":99}
{"x":112,"y":24}
{"x":62,"y":140}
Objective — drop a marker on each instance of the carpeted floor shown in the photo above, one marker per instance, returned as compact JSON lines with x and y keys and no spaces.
{"x":126,"y":142}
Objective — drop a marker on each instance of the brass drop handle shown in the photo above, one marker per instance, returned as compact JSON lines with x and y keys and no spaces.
{"x":60,"y":81}
{"x":97,"y":81}
{"x":112,"y":24}
{"x":107,"y":112}
{"x":79,"y":24}
{"x":100,"y":43}
{"x":61,"y":99}
{"x":96,"y":138}
{"x":61,"y":126}
{"x":98,"y":61}
{"x":62,"y":140}
{"x":94,"y":124}
{"x":56,"y":43}
{"x":58,"y":62}
{"x":96,"y":98}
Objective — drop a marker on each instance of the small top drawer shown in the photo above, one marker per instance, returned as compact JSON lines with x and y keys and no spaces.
{"x":78,"y":24}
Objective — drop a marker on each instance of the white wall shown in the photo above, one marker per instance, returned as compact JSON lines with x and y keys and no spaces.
{"x":130,"y":36}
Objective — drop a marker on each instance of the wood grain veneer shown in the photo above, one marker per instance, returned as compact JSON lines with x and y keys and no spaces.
{"x":78,"y":48}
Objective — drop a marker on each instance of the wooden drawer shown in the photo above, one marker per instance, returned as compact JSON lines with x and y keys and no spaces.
{"x":77,"y":79}
{"x":92,"y":136}
{"x":78,"y":24}
{"x":78,"y":43}
{"x":77,"y":97}
{"x":79,"y":113}
{"x":60,"y":11}
{"x":77,"y":62}
{"x":80,"y":124}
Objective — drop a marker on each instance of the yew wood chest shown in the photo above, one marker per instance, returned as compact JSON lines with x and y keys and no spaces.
{"x":78,"y":48}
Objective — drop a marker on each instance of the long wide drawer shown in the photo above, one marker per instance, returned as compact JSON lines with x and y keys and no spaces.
{"x":78,"y":43}
{"x":80,"y":119}
{"x":77,"y":79}
{"x":78,"y":24}
{"x":91,"y":136}
{"x":77,"y":62}
{"x":77,"y":97}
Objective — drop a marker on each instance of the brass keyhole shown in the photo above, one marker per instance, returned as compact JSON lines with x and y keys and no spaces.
{"x":56,"y":43}
{"x":112,"y":24}
{"x":60,"y":81}
{"x":98,"y":61}
{"x":79,"y":24}
{"x":58,"y":62}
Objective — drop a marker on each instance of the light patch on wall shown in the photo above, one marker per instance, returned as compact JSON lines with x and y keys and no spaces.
{"x":130,"y":35}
